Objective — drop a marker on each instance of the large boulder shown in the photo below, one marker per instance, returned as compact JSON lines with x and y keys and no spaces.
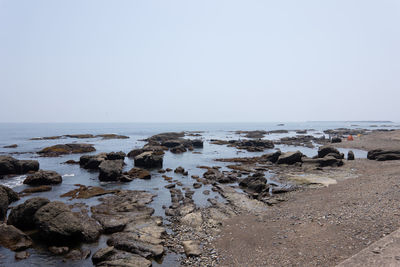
{"x":256,"y":184}
{"x":350,"y":155}
{"x":61,"y":149}
{"x":22,"y":216}
{"x":111,"y":170}
{"x":92,"y":162}
{"x":149,"y":159}
{"x":57,"y":224}
{"x":325,"y":150}
{"x":382,"y":155}
{"x":116,"y":155}
{"x":7,"y":196}
{"x":43,"y":177}
{"x":272,"y":157}
{"x":10,"y":165}
{"x":290,"y":158}
{"x":13,"y":238}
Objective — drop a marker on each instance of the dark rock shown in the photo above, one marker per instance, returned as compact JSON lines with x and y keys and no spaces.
{"x":169,"y":186}
{"x":110,"y":170}
{"x":102,"y":254}
{"x":350,"y":155}
{"x":126,"y":259}
{"x":57,"y":224}
{"x":78,"y":254}
{"x":7,"y":196}
{"x":290,"y":158}
{"x":179,"y":170}
{"x":111,"y":223}
{"x":10,"y":165}
{"x":13,"y":238}
{"x":255,"y":184}
{"x":43,"y":177}
{"x":149,"y":160}
{"x":382,"y":155}
{"x":272,"y":157}
{"x":57,"y":150}
{"x":86,"y":192}
{"x":22,"y":216}
{"x":92,"y":161}
{"x":116,"y":155}
{"x":197,"y":185}
{"x":178,"y":149}
{"x":325,"y":150}
{"x":197,"y":143}
{"x":324,"y":162}
{"x":336,"y":140}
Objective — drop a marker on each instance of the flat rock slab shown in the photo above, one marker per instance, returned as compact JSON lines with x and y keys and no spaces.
{"x":192,"y":248}
{"x":384,"y":252}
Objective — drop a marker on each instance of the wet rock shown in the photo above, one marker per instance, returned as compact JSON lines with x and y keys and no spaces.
{"x":290,"y":158}
{"x":192,"y":248}
{"x":149,"y":160}
{"x":179,"y":170}
{"x":22,"y":216}
{"x":383,"y":155}
{"x":325,"y":150}
{"x":10,"y":165}
{"x":86,"y":192}
{"x":102,"y":254}
{"x":127,"y":242}
{"x":7,"y":196}
{"x":62,"y":149}
{"x":92,"y":161}
{"x":139,"y":173}
{"x":169,"y":186}
{"x":36,"y":189}
{"x":13,"y":238}
{"x":255,"y":184}
{"x":58,"y":250}
{"x":197,"y":185}
{"x":112,"y":136}
{"x":336,"y":140}
{"x":43,"y":177}
{"x":22,"y":255}
{"x":58,"y":224}
{"x":350,"y":155}
{"x":71,"y":161}
{"x":110,"y":170}
{"x":197,"y":143}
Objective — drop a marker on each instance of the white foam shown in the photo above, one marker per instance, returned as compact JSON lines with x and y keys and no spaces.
{"x":68,"y":175}
{"x":14,"y":181}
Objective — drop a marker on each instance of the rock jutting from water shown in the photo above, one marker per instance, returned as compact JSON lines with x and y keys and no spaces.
{"x":62,"y":149}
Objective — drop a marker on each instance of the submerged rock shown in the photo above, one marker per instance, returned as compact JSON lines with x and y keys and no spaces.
{"x":43,"y":177}
{"x":86,"y":192}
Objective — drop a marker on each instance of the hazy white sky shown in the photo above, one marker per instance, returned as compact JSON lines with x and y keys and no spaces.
{"x":199,"y":61}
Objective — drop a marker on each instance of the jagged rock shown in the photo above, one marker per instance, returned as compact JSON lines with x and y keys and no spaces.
{"x":92,"y":161}
{"x":149,"y":159}
{"x":290,"y":158}
{"x":272,"y":157}
{"x":58,"y":224}
{"x":110,"y":170}
{"x":178,"y":149}
{"x":192,"y":248}
{"x":13,"y":238}
{"x":22,"y":216}
{"x":43,"y":177}
{"x":255,"y":184}
{"x":57,"y":150}
{"x":116,"y":155}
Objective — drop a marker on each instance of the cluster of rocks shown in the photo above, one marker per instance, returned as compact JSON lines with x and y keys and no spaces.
{"x":135,"y":236}
{"x":63,"y":149}
{"x":344,"y":132}
{"x":383,"y":154}
{"x":251,"y":145}
{"x":302,"y":140}
{"x":10,"y":165}
{"x":82,"y":136}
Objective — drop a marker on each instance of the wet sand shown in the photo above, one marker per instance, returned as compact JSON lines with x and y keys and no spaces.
{"x":321,"y":226}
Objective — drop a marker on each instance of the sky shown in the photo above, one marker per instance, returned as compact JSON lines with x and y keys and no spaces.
{"x":199,"y":61}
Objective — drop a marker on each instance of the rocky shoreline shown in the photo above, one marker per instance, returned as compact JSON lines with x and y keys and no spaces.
{"x":135,"y":237}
